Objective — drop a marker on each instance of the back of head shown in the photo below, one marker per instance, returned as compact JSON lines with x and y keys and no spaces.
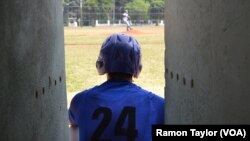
{"x":120,"y":53}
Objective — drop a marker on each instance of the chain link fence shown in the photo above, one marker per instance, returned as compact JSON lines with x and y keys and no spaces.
{"x":96,"y":16}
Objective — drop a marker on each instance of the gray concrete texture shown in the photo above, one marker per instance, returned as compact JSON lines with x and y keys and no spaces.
{"x":207,"y":61}
{"x":32,"y":70}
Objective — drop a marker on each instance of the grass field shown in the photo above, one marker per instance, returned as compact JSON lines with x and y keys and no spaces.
{"x":82,"y":47}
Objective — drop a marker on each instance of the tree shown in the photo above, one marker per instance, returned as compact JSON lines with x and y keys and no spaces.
{"x":99,"y":9}
{"x":156,"y":10}
{"x":138,"y":9}
{"x":107,"y":6}
{"x":70,"y":10}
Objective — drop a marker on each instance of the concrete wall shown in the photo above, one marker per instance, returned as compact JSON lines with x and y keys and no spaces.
{"x":207,"y":61}
{"x":32,"y":86}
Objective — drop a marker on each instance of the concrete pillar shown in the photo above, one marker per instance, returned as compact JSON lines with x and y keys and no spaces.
{"x":207,"y":61}
{"x":32,"y":86}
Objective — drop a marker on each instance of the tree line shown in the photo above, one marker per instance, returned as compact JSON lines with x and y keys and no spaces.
{"x":112,"y":9}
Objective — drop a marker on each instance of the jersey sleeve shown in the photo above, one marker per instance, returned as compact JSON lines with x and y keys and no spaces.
{"x":73,"y":110}
{"x":158,"y":104}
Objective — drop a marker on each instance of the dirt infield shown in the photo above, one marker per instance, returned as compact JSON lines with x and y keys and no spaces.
{"x":133,"y":32}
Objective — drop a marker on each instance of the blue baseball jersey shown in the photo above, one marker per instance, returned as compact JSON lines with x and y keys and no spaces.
{"x":116,"y":111}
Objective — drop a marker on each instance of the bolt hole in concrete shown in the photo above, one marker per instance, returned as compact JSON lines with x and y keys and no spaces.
{"x":177,"y":76}
{"x":171,"y":75}
{"x":60,"y":79}
{"x":36,"y":94}
{"x":192,"y":83}
{"x":50,"y":82}
{"x":55,"y":82}
{"x":184,"y":81}
{"x":43,"y":90}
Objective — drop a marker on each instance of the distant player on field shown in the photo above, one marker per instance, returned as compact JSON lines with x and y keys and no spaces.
{"x":126,"y":19}
{"x":118,"y":109}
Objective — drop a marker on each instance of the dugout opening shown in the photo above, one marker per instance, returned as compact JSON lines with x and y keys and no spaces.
{"x":82,"y":46}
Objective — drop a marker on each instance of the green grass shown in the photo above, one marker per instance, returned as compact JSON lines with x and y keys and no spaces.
{"x":82,"y":47}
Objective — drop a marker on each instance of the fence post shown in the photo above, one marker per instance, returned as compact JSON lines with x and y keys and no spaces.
{"x":96,"y":22}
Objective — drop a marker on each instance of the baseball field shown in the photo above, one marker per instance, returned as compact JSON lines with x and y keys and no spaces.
{"x":82,"y":45}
